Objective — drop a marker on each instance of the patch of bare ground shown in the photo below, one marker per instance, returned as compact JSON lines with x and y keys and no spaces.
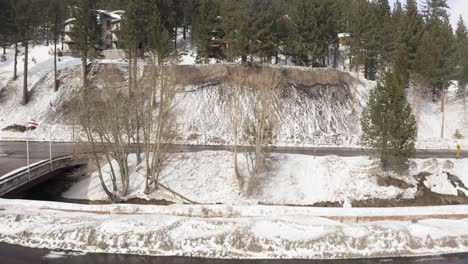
{"x":391,"y":181}
{"x":423,"y":196}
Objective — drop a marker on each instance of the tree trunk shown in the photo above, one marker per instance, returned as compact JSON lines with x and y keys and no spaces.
{"x":63,"y":38}
{"x":135,"y":87}
{"x":55,"y":65}
{"x":15,"y":76}
{"x":335,"y":56}
{"x":465,"y":109}
{"x":135,"y":72}
{"x":244,"y":59}
{"x":444,"y":97}
{"x":25,"y":75}
{"x":47,"y":34}
{"x":175,"y":36}
{"x":185,"y":27}
{"x":130,"y":72}
{"x":4,"y":50}
{"x":83,"y":69}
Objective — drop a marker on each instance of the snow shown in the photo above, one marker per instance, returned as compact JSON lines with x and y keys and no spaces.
{"x":209,"y":177}
{"x":40,"y":86}
{"x":325,"y":115}
{"x":429,"y":117}
{"x":439,"y":183}
{"x":21,"y":169}
{"x":218,"y":231}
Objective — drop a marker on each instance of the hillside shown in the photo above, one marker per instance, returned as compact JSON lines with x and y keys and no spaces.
{"x":318,"y":106}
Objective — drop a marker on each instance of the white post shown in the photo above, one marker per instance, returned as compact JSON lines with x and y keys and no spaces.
{"x":50,"y":146}
{"x":27,"y":148}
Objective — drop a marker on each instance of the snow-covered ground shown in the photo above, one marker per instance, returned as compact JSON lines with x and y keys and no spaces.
{"x":40,"y":88}
{"x":209,"y":177}
{"x":320,"y":107}
{"x":233,"y":231}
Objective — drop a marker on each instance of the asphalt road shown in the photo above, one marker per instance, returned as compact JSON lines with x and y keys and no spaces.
{"x":13,"y":153}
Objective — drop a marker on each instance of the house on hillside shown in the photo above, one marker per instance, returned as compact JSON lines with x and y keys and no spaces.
{"x":110,"y":25}
{"x":343,"y":52}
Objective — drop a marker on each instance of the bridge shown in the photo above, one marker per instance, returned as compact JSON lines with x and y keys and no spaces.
{"x":24,"y":178}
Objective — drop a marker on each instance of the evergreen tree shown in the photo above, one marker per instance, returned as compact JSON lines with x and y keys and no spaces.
{"x":434,"y":57}
{"x":236,"y":28}
{"x":306,"y":32}
{"x":388,"y":125}
{"x":56,"y":16}
{"x":409,"y":27}
{"x":359,"y":26}
{"x":85,"y":33}
{"x":461,"y":54}
{"x":435,"y":10}
{"x":204,"y":24}
{"x":26,"y":17}
{"x":159,"y":37}
{"x":8,"y":28}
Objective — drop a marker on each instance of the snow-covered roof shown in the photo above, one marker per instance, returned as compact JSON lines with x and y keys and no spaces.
{"x":71,"y":20}
{"x":344,"y":35}
{"x":109,"y":14}
{"x":118,"y":12}
{"x":115,"y":16}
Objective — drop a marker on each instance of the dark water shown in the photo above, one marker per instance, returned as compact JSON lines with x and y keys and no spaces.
{"x":11,"y":254}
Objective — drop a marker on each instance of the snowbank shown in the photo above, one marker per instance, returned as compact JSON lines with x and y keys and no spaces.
{"x":257,"y":232}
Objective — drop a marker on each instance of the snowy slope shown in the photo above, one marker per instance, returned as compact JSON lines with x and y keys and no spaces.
{"x":429,"y":117}
{"x":40,"y":89}
{"x":209,"y":177}
{"x":319,"y":107}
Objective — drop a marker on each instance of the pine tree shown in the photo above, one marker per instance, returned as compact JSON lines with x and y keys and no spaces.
{"x":412,"y":31}
{"x":56,"y":15}
{"x":408,"y":29}
{"x":159,"y":37}
{"x":461,"y":54}
{"x":26,"y":17}
{"x":8,"y":28}
{"x":434,"y":63}
{"x":359,"y":26}
{"x":236,"y":26}
{"x":204,"y":24}
{"x":85,"y":33}
{"x":388,"y":125}
{"x":306,"y":31}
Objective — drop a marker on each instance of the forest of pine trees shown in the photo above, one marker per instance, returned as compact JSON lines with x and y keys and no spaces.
{"x":417,"y":42}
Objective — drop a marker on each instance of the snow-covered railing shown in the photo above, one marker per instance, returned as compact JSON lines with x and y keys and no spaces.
{"x":24,"y":176}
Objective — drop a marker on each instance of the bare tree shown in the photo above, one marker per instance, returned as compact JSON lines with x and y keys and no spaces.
{"x":235,"y":87}
{"x":106,"y":117}
{"x":266,"y":85}
{"x":158,"y":122}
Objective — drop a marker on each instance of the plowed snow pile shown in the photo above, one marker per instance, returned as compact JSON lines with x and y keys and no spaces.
{"x":234,"y":232}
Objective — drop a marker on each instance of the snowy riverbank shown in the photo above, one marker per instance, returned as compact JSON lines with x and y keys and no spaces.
{"x":231,"y":231}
